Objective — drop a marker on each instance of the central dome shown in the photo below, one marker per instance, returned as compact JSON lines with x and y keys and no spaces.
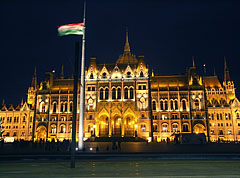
{"x":127,"y":57}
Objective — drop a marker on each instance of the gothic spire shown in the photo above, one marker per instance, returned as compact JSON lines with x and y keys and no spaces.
{"x":127,"y":46}
{"x":193,"y":62}
{"x":226,"y":71}
{"x":34,"y":80}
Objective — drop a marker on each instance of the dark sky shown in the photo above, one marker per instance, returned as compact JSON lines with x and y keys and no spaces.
{"x":168,"y":33}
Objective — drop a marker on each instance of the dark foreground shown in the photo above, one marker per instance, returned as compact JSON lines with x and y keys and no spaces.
{"x":123,"y":168}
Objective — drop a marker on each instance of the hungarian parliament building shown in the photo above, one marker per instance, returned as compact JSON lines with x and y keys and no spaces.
{"x":126,"y":99}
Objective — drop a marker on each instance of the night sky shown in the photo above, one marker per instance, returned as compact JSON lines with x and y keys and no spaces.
{"x":168,"y":33}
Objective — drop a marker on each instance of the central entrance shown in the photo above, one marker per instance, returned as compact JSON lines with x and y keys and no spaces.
{"x":117,"y":127}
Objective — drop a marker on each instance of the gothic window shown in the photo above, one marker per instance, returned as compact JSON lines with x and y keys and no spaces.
{"x":131,"y":93}
{"x":176,"y":104}
{"x":221,"y":118}
{"x":104,"y":75}
{"x":71,"y":107}
{"x":128,"y":74}
{"x":62,"y":128}
{"x":119,"y":93}
{"x":184,"y":105}
{"x":101,"y":94}
{"x":53,"y":129}
{"x":114,"y":93}
{"x":61,"y":107}
{"x":171,"y":104}
{"x":165,"y":128}
{"x":220,"y":132}
{"x":106,"y":93}
{"x":226,"y":116}
{"x":154,"y":105}
{"x":141,"y":74}
{"x":196,"y":103}
{"x":65,"y":107}
{"x":238,"y":117}
{"x":185,"y":128}
{"x":166,"y":105}
{"x":140,"y":87}
{"x":217,"y":116}
{"x":175,"y":127}
{"x":43,"y":107}
{"x":229,"y":116}
{"x":155,"y":128}
{"x":143,"y":127}
{"x":126,"y":93}
{"x":91,"y":76}
{"x":54,"y":107}
{"x":212,"y":116}
{"x":161,"y":105}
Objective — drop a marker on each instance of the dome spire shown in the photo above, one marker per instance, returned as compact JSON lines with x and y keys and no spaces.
{"x":127,"y":46}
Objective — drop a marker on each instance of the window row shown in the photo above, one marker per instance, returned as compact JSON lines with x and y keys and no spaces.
{"x":173,"y":105}
{"x":62,"y":129}
{"x":116,"y":93}
{"x":219,"y":116}
{"x":174,"y":128}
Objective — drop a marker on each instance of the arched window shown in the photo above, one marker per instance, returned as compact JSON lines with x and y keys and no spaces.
{"x":155,"y":128}
{"x":119,"y":93}
{"x":143,"y":127}
{"x":217,"y":116}
{"x":229,"y":116}
{"x":114,"y":93}
{"x":171,"y":104}
{"x":184,"y":105}
{"x":91,"y":76}
{"x":66,"y":107}
{"x":131,"y":93}
{"x":176,"y":104}
{"x":166,"y":105}
{"x":161,"y":105}
{"x":53,"y":129}
{"x":101,"y":94}
{"x":71,"y":107}
{"x":221,"y":118}
{"x":164,"y":128}
{"x":141,"y":74}
{"x":62,"y":128}
{"x":174,"y":127}
{"x":61,"y":110}
{"x":154,"y":105}
{"x":128,"y":74}
{"x":196,"y":103}
{"x":54,"y":107}
{"x":43,"y":107}
{"x":126,"y":93}
{"x":106,"y":93}
{"x":238,"y":117}
{"x":185,"y":128}
{"x":104,"y":75}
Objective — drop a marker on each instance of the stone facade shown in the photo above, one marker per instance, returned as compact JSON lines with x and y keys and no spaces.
{"x":125,"y":99}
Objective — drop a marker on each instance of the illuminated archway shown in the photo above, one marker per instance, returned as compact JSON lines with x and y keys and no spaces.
{"x":103,"y":126}
{"x":117,"y":126}
{"x":198,"y":128}
{"x":41,"y":133}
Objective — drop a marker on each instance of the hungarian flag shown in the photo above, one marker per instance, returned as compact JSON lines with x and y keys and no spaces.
{"x":71,"y":29}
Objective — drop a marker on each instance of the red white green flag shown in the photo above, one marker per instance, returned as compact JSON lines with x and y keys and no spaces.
{"x":71,"y":29}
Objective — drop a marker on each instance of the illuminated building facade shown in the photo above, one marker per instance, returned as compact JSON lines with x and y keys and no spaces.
{"x":125,"y":99}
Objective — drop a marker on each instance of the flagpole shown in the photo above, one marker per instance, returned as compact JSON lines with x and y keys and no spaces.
{"x":82,"y":87}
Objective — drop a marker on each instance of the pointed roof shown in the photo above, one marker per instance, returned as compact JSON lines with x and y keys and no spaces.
{"x":127,"y":57}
